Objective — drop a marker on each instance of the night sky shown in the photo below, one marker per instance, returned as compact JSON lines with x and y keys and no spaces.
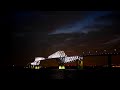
{"x":41,"y":33}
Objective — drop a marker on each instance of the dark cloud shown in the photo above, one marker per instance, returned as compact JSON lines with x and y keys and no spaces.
{"x":45,"y":21}
{"x":88,"y":21}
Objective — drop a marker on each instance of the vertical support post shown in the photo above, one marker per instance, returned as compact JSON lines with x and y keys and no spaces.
{"x":81,"y":64}
{"x":78,"y":64}
{"x":109,"y":61}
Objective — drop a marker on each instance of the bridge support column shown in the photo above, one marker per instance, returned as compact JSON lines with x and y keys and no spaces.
{"x":80,"y":64}
{"x":61,"y":66}
{"x":109,"y":61}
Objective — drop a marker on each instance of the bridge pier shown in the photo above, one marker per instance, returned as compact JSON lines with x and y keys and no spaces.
{"x":109,"y":61}
{"x":80,"y":64}
{"x":61,"y":65}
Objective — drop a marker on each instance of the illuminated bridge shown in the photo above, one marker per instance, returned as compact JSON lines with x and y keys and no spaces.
{"x":63,"y":58}
{"x":60,"y":55}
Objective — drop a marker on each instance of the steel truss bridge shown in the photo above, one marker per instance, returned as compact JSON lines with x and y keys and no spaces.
{"x":66,"y":59}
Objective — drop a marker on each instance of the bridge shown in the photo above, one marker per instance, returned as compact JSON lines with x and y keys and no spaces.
{"x":108,"y":54}
{"x":80,"y":59}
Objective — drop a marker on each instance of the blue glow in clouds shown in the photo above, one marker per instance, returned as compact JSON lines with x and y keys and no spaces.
{"x":89,"y":20}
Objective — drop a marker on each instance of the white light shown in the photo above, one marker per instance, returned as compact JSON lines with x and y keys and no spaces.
{"x":72,"y":58}
{"x":57,"y":54}
{"x":33,"y":63}
{"x":39,"y":58}
{"x":114,"y":49}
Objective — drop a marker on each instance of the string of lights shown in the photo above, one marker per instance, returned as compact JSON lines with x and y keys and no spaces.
{"x":100,"y":52}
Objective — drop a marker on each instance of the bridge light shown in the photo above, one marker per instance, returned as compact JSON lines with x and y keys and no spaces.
{"x":104,"y":50}
{"x":115,"y":50}
{"x":96,"y":51}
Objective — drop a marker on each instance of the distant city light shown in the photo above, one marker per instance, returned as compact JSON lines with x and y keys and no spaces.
{"x":116,"y":66}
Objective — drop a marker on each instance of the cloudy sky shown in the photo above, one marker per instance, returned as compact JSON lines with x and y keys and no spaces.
{"x":41,"y":33}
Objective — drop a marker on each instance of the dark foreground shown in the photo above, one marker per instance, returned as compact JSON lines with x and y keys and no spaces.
{"x":67,"y":74}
